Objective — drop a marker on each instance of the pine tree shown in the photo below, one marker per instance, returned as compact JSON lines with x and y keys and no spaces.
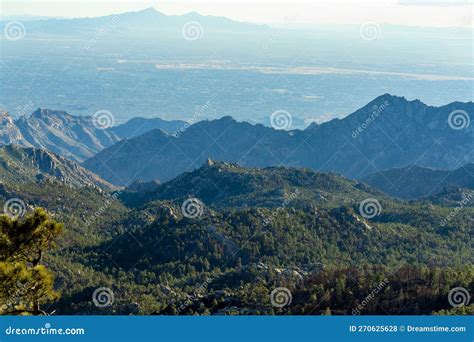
{"x":25,"y":282}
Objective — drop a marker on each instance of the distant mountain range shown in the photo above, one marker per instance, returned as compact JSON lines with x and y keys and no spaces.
{"x":388,"y":132}
{"x":148,"y":20}
{"x":71,"y":136}
{"x":415,"y":181}
{"x":138,"y":126}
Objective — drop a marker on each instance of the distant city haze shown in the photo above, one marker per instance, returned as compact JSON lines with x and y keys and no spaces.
{"x":315,"y":60}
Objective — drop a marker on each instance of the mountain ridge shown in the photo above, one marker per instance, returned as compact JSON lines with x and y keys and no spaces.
{"x":221,"y":184}
{"x":414,"y":181}
{"x":388,"y":132}
{"x":29,"y":164}
{"x":148,"y":19}
{"x":76,"y":137}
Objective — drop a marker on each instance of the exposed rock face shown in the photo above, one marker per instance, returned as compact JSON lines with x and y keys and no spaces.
{"x":71,"y":136}
{"x":388,"y":132}
{"x":32,"y":164}
{"x":75,"y":137}
{"x":9,"y":132}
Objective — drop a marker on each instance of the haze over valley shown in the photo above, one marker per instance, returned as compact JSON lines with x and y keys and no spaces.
{"x":199,"y":164}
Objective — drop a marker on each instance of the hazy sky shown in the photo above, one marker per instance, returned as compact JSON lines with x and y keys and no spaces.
{"x":406,"y":12}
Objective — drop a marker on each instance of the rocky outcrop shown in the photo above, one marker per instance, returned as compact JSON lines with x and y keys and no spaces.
{"x":33,"y":164}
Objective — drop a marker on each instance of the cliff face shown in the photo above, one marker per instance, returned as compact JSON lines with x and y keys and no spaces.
{"x":9,"y":132}
{"x":75,"y":137}
{"x":29,"y":164}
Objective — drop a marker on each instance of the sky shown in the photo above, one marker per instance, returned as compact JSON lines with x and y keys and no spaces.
{"x":434,"y":13}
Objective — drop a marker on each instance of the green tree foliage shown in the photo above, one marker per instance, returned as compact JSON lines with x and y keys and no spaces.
{"x":25,"y":283}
